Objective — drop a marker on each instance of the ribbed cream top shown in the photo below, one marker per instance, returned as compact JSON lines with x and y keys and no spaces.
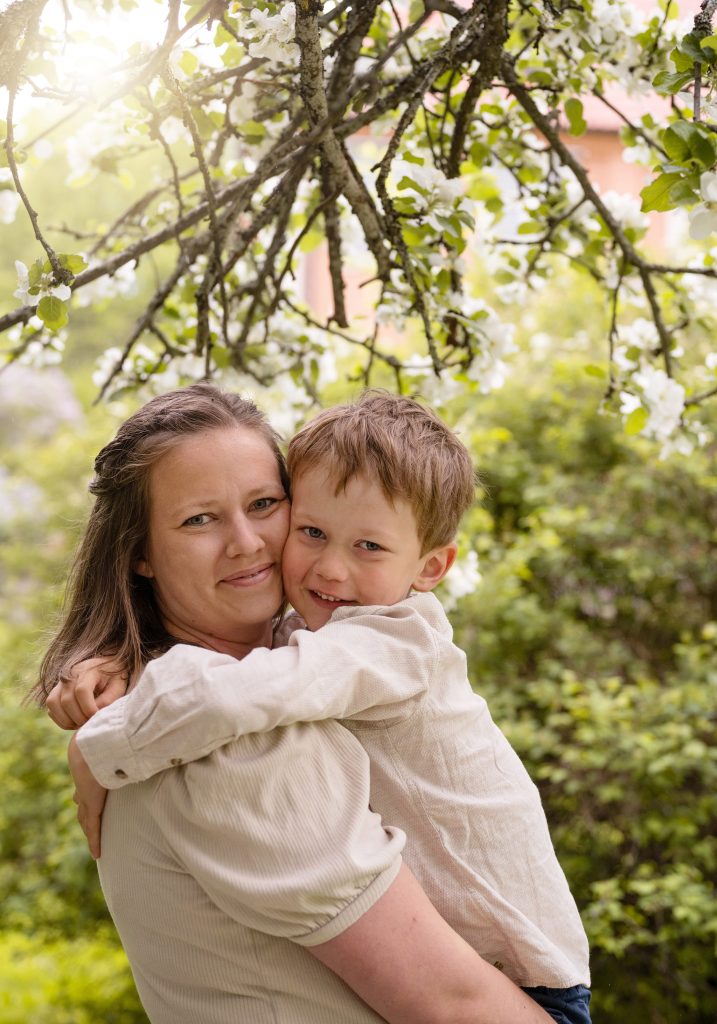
{"x":218,"y":874}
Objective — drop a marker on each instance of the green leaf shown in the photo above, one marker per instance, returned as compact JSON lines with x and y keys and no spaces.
{"x":667,"y":83}
{"x":480,"y":154}
{"x":414,"y":235}
{"x":681,"y":61}
{"x":188,"y":62}
{"x":221,"y":357}
{"x":656,"y":195}
{"x":676,"y":145}
{"x":72,"y":262}
{"x":691,"y":46}
{"x":407,"y":182}
{"x":574,"y":114}
{"x":636,"y":421}
{"x":253,"y":129}
{"x":311,"y":240}
{"x":685,"y":141}
{"x":37,"y":268}
{"x":53,"y":312}
{"x":595,"y":371}
{"x":412,"y":158}
{"x":709,"y":41}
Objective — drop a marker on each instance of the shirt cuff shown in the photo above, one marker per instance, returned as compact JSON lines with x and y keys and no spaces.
{"x":105,"y":747}
{"x":353,"y":910}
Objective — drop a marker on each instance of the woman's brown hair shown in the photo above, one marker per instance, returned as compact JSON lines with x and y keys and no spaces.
{"x":110,"y":607}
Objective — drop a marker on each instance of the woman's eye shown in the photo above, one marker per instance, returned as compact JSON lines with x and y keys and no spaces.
{"x":370,"y":545}
{"x":312,"y":531}
{"x":262,"y":504}
{"x":199,"y":520}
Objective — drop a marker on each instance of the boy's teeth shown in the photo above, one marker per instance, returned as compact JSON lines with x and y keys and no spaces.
{"x":327,"y":597}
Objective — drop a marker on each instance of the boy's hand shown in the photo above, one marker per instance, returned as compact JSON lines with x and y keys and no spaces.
{"x":89,"y":796}
{"x":90,"y":685}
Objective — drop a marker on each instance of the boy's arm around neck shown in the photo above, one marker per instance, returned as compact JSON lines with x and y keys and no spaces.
{"x":369,"y":664}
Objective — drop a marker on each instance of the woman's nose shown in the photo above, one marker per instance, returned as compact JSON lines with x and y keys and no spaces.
{"x":242,"y":538}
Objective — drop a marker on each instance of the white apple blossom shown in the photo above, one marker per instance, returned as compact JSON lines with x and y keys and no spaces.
{"x":9,"y":205}
{"x":83,"y":147}
{"x":47,"y":351}
{"x":703,"y":218}
{"x":439,"y":196}
{"x":462,"y":579}
{"x":123,"y":282}
{"x":626,"y":209}
{"x":276,"y":34}
{"x":44,"y":286}
{"x":437,"y":390}
{"x":664,"y":399}
{"x":9,"y":200}
{"x":629,"y":403}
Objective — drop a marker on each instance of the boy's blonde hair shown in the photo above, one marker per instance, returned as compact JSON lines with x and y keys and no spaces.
{"x":402,"y":445}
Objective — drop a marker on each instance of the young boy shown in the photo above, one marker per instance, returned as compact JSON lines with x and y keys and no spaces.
{"x":379,"y":488}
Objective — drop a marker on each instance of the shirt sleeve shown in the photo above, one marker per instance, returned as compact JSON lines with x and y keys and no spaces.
{"x":276,"y":828}
{"x":370,"y":664}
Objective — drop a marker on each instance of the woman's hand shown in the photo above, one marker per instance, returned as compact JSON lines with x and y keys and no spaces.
{"x":89,"y":796}
{"x":90,"y":685}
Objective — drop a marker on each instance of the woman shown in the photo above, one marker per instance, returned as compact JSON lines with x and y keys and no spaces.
{"x":237,"y":880}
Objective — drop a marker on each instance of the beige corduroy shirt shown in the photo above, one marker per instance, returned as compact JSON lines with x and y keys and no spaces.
{"x":219,"y":872}
{"x":441,"y":770}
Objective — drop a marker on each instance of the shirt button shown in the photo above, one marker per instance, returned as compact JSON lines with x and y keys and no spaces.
{"x":175,"y":761}
{"x":120,"y":773}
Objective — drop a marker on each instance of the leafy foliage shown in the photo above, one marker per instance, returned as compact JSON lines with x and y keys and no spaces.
{"x":592,"y":635}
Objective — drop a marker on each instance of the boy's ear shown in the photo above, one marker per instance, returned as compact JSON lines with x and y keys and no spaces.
{"x":435,"y":566}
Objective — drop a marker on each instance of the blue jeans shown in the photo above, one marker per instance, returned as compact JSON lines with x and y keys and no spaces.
{"x":565,"y":1005}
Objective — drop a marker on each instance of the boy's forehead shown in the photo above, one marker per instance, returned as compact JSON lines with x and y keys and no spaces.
{"x":327,"y":477}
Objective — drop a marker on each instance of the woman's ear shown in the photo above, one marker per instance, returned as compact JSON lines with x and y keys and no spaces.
{"x":143,"y":568}
{"x":435,"y":566}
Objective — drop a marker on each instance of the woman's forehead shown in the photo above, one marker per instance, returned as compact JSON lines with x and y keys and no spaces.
{"x":235,"y":457}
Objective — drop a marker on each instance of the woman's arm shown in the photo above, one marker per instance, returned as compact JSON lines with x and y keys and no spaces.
{"x":409,"y":965}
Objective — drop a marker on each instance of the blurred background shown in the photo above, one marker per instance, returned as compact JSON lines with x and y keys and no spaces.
{"x":585,"y":596}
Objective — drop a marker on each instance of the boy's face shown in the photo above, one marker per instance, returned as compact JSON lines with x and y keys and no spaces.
{"x":352,"y":548}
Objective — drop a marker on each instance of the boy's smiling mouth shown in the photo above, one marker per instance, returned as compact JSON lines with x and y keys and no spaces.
{"x":320,"y":597}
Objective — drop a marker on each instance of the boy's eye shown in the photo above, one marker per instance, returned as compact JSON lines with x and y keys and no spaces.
{"x":199,"y":520}
{"x":312,"y":531}
{"x":370,"y":545}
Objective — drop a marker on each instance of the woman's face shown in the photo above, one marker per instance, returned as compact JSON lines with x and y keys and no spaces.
{"x":217,"y":524}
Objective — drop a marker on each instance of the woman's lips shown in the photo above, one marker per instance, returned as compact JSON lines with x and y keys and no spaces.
{"x":249,"y":577}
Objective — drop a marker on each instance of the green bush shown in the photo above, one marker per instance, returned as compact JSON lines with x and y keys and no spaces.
{"x":86,"y":981}
{"x":593,"y":637}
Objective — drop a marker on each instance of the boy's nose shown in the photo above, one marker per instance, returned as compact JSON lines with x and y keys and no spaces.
{"x":331,"y":567}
